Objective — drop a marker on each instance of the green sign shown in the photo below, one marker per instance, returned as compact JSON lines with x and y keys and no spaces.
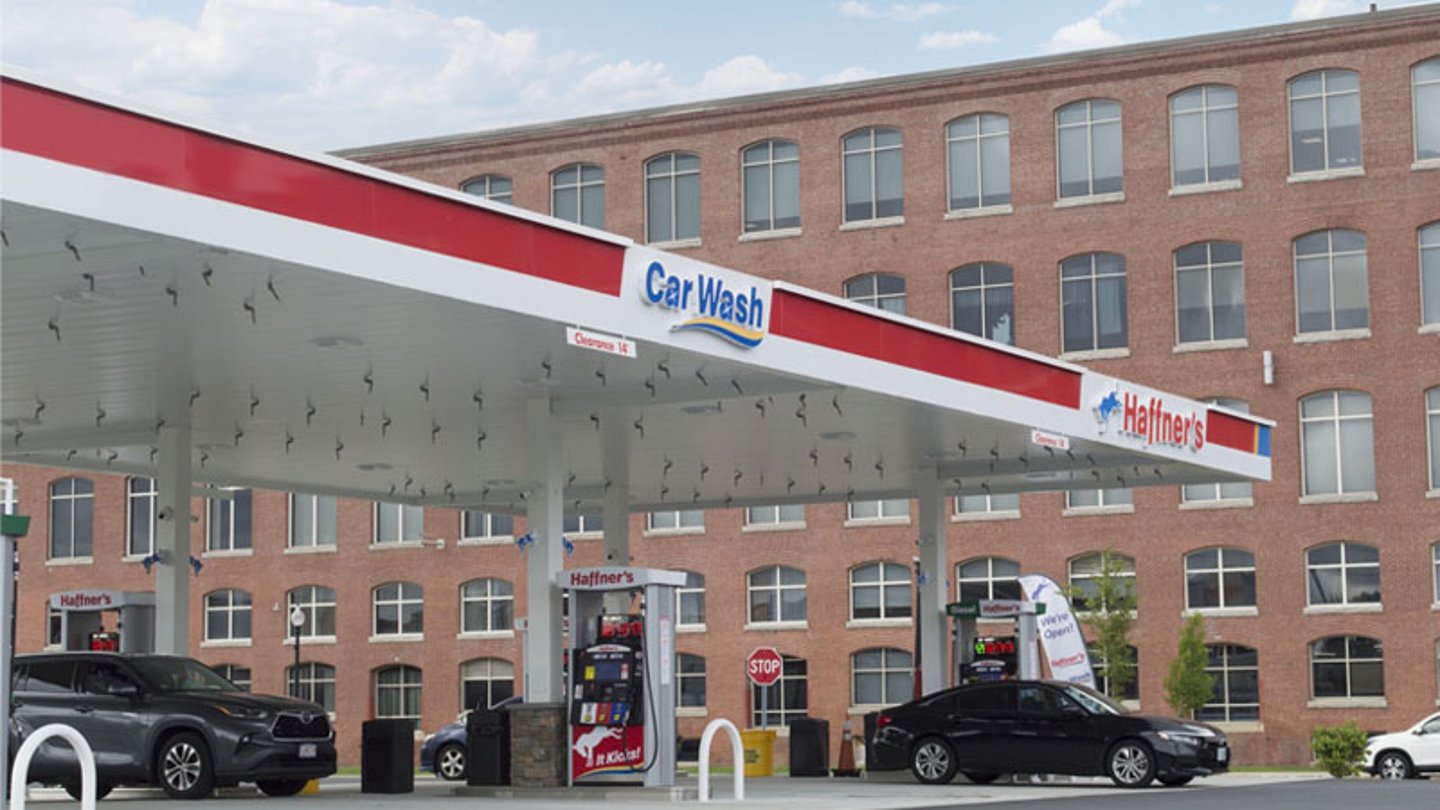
{"x":14,"y":525}
{"x":963,"y":610}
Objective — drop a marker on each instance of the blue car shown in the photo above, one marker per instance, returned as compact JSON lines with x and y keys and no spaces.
{"x":444,"y":752}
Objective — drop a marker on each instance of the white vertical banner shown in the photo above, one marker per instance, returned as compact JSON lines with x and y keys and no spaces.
{"x":1060,"y":634}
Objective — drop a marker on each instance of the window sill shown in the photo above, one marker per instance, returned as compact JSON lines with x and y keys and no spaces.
{"x":1095,"y":354}
{"x":64,"y":561}
{"x":765,"y":236}
{"x":1425,"y":165}
{"x":1435,"y":607}
{"x":682,"y":629}
{"x":225,"y":642}
{"x":220,"y":555}
{"x":1347,"y":703}
{"x":317,"y":641}
{"x":1219,"y":503}
{"x":1083,"y":511}
{"x":1330,"y":337}
{"x":393,"y":546}
{"x":868,"y":224}
{"x":983,"y":517}
{"x":1429,"y":329}
{"x":691,"y":711}
{"x":1366,"y":607}
{"x":688,"y":530}
{"x":675,"y":244}
{"x":1222,"y":613}
{"x":486,"y":541}
{"x":777,"y":626}
{"x":1432,"y":494}
{"x":1206,"y":188}
{"x":587,"y":536}
{"x":1093,"y":199}
{"x":861,"y":624}
{"x":854,"y":523}
{"x":484,"y":635}
{"x":1328,"y":174}
{"x":772,"y":527}
{"x":405,"y":638}
{"x":983,"y":211}
{"x":1241,"y":727}
{"x":1212,"y":345}
{"x":1347,"y":497}
{"x":310,"y":550}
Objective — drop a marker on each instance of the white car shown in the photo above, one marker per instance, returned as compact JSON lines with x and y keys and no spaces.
{"x":1405,"y":754}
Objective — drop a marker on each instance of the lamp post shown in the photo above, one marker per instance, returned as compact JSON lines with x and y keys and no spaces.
{"x":297,"y":621}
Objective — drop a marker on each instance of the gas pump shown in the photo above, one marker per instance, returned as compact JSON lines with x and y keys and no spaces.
{"x":621,"y":681}
{"x":84,"y":613}
{"x":987,"y":658}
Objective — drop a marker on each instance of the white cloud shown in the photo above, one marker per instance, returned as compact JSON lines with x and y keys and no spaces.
{"x":1213,"y":8}
{"x":955,"y":39}
{"x":745,"y":74}
{"x":895,"y":12}
{"x":849,"y":74}
{"x":1311,"y":9}
{"x":1091,"y":32}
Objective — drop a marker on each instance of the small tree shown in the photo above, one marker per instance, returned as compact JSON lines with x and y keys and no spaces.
{"x":1339,"y":749}
{"x":1188,"y":686}
{"x":1111,"y":615}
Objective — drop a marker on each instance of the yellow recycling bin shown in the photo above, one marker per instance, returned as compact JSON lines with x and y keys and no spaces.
{"x":759,"y":750}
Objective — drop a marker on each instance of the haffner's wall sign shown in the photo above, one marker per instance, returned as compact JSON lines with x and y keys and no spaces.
{"x":1151,"y":418}
{"x":728,"y":305}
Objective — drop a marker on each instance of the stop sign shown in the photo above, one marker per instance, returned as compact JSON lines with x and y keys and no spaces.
{"x":763,"y":666}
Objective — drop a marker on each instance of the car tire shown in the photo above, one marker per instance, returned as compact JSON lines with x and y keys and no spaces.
{"x":932,"y":760}
{"x":1130,"y":764}
{"x":450,"y":762}
{"x":184,"y":768}
{"x":981,"y":778}
{"x":280,"y":787}
{"x":102,"y":789}
{"x":1394,"y":765}
{"x":1175,"y":781}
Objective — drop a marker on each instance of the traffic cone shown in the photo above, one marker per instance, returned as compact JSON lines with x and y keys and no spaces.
{"x":846,"y":766}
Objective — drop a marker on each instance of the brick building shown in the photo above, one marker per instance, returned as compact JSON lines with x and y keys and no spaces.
{"x":1251,"y":216}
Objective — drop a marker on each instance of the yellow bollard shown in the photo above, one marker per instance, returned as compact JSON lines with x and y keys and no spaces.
{"x":312,"y":786}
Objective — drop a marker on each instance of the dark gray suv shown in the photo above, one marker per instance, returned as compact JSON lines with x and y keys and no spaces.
{"x":168,"y":721}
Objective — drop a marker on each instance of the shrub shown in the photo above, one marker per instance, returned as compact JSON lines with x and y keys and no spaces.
{"x":1339,"y":749}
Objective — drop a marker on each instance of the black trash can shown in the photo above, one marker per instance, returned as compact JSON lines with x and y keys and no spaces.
{"x":487,"y":758}
{"x":870,"y":729}
{"x":387,"y":756}
{"x":809,"y":747}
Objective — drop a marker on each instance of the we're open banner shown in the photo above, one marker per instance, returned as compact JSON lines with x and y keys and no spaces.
{"x":1060,"y":635}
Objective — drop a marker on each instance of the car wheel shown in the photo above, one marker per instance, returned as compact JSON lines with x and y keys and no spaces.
{"x":1393,"y":765}
{"x":102,"y":789}
{"x":981,"y":778}
{"x":1175,"y":781}
{"x":184,"y":767}
{"x":450,"y":762}
{"x":280,"y":787}
{"x":1131,"y":764}
{"x":933,"y":761}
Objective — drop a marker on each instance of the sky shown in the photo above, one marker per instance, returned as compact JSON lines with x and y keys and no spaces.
{"x":329,"y":74}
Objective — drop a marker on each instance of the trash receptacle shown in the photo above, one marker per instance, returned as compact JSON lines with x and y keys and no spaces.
{"x":809,"y":747}
{"x":871,"y":720}
{"x":487,"y":760}
{"x":759,"y":750}
{"x":387,"y":756}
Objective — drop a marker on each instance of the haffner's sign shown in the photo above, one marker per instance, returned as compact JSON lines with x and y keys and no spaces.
{"x":723,"y":303}
{"x":1151,"y":418}
{"x":86,"y":600}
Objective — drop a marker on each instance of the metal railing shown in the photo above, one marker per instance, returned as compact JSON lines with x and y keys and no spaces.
{"x":736,"y":754}
{"x":20,"y":773}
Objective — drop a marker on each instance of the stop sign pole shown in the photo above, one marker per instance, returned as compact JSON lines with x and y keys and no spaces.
{"x":764,"y":666}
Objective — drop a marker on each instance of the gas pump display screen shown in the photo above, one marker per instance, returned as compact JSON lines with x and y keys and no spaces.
{"x":607,"y":671}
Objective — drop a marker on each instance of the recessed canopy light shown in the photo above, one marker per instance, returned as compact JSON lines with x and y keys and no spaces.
{"x":337,"y":342}
{"x":499,"y":482}
{"x":374,"y":466}
{"x":836,"y":435}
{"x":712,"y":407}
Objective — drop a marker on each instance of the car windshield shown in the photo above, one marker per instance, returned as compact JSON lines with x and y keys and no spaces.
{"x":181,"y":675}
{"x":1093,"y":701}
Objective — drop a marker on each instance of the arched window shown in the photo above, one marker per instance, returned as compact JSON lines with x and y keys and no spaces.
{"x":777,"y":595}
{"x":487,"y":606}
{"x":1325,"y":121}
{"x":879,"y":591}
{"x":315,"y":684}
{"x":874,"y":174}
{"x":770,"y":171}
{"x":397,"y":693}
{"x":1088,"y":146}
{"x":399,"y":609}
{"x":577,"y":194}
{"x":1425,"y":92}
{"x":881,"y":677}
{"x":1347,"y":667}
{"x":227,"y":616}
{"x":690,"y":681}
{"x":1085,"y":572}
{"x":784,"y":700}
{"x":1331,"y":282}
{"x":494,"y":187}
{"x":987,"y":578}
{"x":978,"y":156}
{"x":72,"y":518}
{"x":140,"y":512}
{"x":879,"y":290}
{"x":982,"y":301}
{"x":690,"y":599}
{"x":1209,"y":293}
{"x":318,"y":604}
{"x":1342,"y":574}
{"x":1204,"y":136}
{"x":1094,"y":303}
{"x":1337,"y":447}
{"x":1430,"y":274}
{"x":1219,"y":578}
{"x":1236,"y":673}
{"x":485,"y":682}
{"x":672,"y":198}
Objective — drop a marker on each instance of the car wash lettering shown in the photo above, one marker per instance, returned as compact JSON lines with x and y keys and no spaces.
{"x":1149,"y":419}
{"x":735,"y":315}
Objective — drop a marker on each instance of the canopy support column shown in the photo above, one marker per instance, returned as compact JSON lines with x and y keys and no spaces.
{"x":932,"y":581}
{"x":615,"y":514}
{"x":545,"y":557}
{"x":172,"y":542}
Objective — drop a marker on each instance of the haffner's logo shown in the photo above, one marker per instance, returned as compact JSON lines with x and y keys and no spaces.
{"x":735,"y":315}
{"x":1148,"y":418}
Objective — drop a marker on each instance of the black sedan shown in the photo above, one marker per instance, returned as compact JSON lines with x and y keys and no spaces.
{"x":986,"y":729}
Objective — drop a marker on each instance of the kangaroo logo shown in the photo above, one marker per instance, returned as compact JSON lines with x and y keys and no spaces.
{"x":1108,"y":405}
{"x":585,"y":744}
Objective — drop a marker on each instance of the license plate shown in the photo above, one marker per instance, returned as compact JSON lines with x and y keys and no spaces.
{"x":1222,"y":754}
{"x":307,"y":751}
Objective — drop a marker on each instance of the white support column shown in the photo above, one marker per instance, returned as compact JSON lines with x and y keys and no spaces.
{"x":934,"y":662}
{"x":545,"y":558}
{"x":616,"y":514}
{"x":172,"y":540}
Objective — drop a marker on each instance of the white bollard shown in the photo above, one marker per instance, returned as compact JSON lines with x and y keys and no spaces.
{"x":738,"y":755}
{"x":20,"y":773}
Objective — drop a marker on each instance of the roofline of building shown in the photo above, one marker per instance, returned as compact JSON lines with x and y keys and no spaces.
{"x":892,"y":83}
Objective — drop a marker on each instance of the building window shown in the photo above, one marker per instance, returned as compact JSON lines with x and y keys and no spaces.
{"x":485,"y":682}
{"x":1204,"y":136}
{"x":690,"y":681}
{"x":236,"y":674}
{"x":879,"y":290}
{"x":690,"y":602}
{"x":874,"y":169}
{"x":72,"y":518}
{"x":493,"y":187}
{"x":1347,"y":667}
{"x":227,"y":615}
{"x":1085,"y":572}
{"x":1432,"y":423}
{"x":312,"y":521}
{"x":399,"y":523}
{"x":583,"y":524}
{"x":1093,"y":302}
{"x":982,"y":301}
{"x":757,"y":517}
{"x":1006,"y":504}
{"x":1435,"y":555}
{"x":777,"y":594}
{"x":895,"y":509}
{"x":1118,"y":498}
{"x":577,"y":194}
{"x":485,"y":525}
{"x":987,"y":578}
{"x":1430,"y":274}
{"x":1331,"y":286}
{"x":1219,"y":578}
{"x":54,"y":626}
{"x":677,"y":521}
{"x":978,"y":152}
{"x":140,"y":516}
{"x":1337,"y":451}
{"x":1100,"y":669}
{"x":1343,"y":574}
{"x":879,"y":591}
{"x":318,"y":604}
{"x":1088,"y":137}
{"x":487,"y":606}
{"x":1325,"y":121}
{"x":1237,"y":491}
{"x":316,"y":684}
{"x":1209,"y":292}
{"x":784,"y":700}
{"x":397,"y":694}
{"x":672,"y":198}
{"x":230,"y":522}
{"x":881,"y":677}
{"x":1236,"y":673}
{"x":399,"y":609}
{"x":771,"y":173}
{"x":1425,"y":89}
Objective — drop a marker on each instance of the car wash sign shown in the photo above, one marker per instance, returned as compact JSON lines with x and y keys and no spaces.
{"x":704,"y":298}
{"x":1150,"y":417}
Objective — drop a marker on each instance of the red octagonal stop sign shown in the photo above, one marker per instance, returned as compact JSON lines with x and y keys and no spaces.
{"x":763,"y":666}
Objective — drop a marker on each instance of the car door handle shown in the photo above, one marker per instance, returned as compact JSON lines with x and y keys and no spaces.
{"x":84,"y":709}
{"x":1020,"y":732}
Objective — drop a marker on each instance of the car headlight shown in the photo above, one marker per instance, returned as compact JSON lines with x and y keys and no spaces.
{"x":242,"y":712}
{"x":1182,"y":738}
